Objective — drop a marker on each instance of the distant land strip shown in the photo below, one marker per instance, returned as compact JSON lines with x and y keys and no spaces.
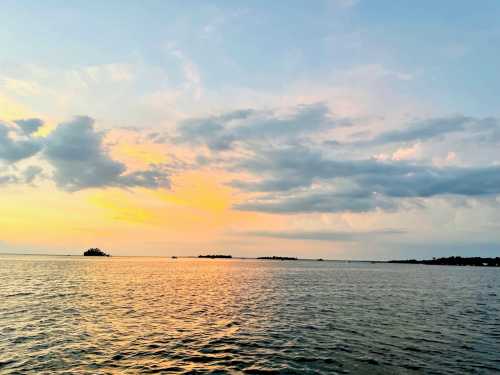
{"x":278,"y":258}
{"x":454,"y":261}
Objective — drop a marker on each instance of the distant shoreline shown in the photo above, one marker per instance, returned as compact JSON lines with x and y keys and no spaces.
{"x":454,"y":261}
{"x":463,"y":261}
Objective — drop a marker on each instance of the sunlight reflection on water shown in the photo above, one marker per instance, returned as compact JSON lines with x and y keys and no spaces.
{"x":143,"y":315}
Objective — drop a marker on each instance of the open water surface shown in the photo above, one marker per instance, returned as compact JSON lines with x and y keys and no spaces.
{"x":154,"y":315}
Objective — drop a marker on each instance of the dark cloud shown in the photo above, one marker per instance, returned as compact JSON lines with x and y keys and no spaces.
{"x":223,"y":132}
{"x":80,"y":161}
{"x":15,"y":147}
{"x":334,"y":236}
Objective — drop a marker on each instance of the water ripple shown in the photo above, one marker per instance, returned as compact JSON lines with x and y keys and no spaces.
{"x":152,"y":315}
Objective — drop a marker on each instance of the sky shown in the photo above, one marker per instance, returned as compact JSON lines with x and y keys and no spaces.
{"x":341,"y":129}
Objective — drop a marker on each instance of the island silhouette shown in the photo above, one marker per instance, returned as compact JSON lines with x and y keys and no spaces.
{"x":454,"y":261}
{"x":215,"y":256}
{"x":95,"y":252}
{"x":277,"y":258}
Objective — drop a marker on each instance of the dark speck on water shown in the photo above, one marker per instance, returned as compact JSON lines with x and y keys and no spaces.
{"x":80,"y":315}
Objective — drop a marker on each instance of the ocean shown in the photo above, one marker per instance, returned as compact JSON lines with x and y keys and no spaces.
{"x":130,"y":315}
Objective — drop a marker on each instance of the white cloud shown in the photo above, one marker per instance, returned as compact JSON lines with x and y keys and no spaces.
{"x":101,"y":74}
{"x":191,"y":72}
{"x":19,"y":87}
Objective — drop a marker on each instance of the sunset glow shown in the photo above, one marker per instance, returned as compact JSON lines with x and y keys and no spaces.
{"x":220,"y":132}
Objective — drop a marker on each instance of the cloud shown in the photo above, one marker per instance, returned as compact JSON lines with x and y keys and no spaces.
{"x":437,"y":128}
{"x":282,"y":168}
{"x":318,"y":202}
{"x":12,"y":176}
{"x":20,"y":87}
{"x":190,"y":71}
{"x":403,"y":153}
{"x":101,"y":74}
{"x":29,"y":126}
{"x":75,"y":151}
{"x":300,"y":180}
{"x":290,"y":167}
{"x":223,"y":132}
{"x":31,"y":173}
{"x":8,"y":179}
{"x":334,"y":236}
{"x":407,"y":153}
{"x":80,"y":161}
{"x":14,"y":146}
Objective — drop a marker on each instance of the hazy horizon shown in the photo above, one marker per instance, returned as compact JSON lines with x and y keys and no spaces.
{"x":336,"y":129}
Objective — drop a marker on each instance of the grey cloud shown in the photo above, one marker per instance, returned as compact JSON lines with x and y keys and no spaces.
{"x":437,"y":127}
{"x":289,"y":179}
{"x":429,"y":182}
{"x":314,"y":202}
{"x":31,"y":173}
{"x":8,"y":179}
{"x":272,"y":184}
{"x":334,"y":236}
{"x":298,"y":166}
{"x":158,"y":137}
{"x":77,"y":153}
{"x":222,"y":132}
{"x":29,"y":126}
{"x":14,"y":147}
{"x":155,"y":177}
{"x":11,"y":175}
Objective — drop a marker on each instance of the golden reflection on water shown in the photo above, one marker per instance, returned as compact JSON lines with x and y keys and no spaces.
{"x":140,"y":315}
{"x":183,"y":305}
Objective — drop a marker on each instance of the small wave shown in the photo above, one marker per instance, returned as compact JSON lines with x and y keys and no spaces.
{"x":139,"y":316}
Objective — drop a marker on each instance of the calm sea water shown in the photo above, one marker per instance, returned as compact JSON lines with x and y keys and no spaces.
{"x":145,"y":315}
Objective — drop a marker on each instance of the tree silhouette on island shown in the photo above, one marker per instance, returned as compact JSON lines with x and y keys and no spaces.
{"x":95,"y":252}
{"x":278,"y":258}
{"x":215,"y":256}
{"x":454,"y":261}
